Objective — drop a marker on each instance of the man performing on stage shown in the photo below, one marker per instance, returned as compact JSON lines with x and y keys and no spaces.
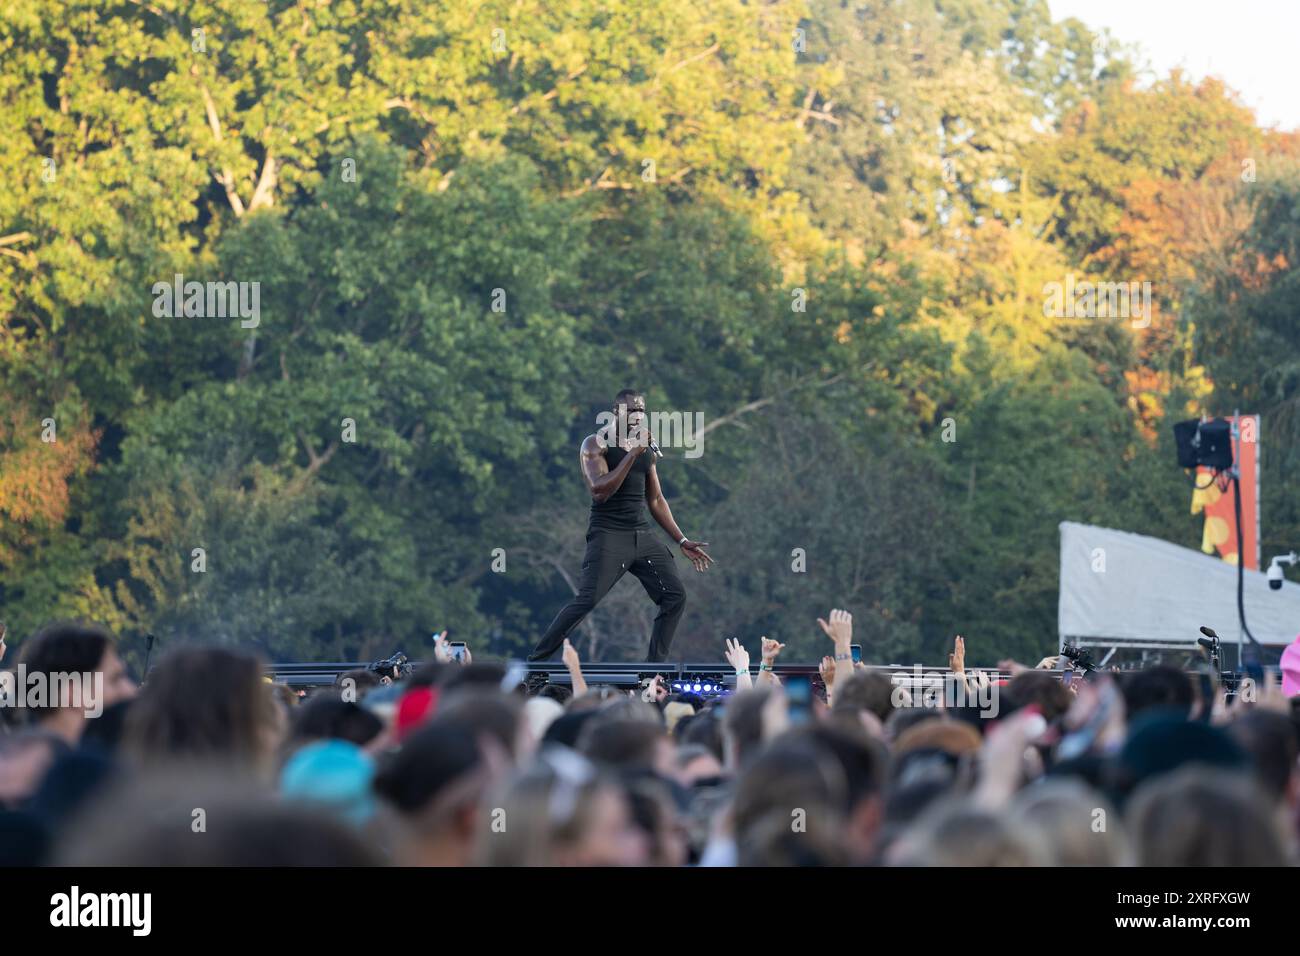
{"x":622,"y":480}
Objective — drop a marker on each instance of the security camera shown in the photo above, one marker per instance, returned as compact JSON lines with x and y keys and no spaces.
{"x":1275,"y":576}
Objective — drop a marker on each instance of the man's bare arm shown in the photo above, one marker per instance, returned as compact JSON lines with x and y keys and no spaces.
{"x":658,"y":505}
{"x":601,"y":482}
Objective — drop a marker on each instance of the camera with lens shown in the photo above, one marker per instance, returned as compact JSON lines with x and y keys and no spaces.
{"x":394,"y":667}
{"x":1079,"y":657}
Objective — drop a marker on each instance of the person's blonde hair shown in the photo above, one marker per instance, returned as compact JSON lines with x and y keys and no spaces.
{"x":957,"y":833}
{"x":1079,"y":826}
{"x":540,"y":811}
{"x":1198,"y":816}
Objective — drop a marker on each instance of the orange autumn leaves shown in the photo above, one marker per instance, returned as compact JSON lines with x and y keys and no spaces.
{"x":35,"y":474}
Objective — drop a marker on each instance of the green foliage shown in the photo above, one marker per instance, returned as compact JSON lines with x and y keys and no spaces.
{"x":824,"y":227}
{"x":1174,"y":131}
{"x":1247,"y":331}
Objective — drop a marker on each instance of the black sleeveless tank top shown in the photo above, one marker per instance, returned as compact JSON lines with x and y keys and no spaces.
{"x":624,"y":510}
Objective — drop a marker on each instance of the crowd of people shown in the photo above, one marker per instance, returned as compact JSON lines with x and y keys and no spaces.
{"x":458,"y":763}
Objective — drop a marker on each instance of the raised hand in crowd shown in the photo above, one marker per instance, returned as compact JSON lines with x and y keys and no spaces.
{"x":978,"y":684}
{"x":827,"y":670}
{"x":1007,"y":758}
{"x":738,"y":658}
{"x":957,"y":659}
{"x":1013,"y":667}
{"x":1265,"y":694}
{"x":770,"y":650}
{"x":443,"y":654}
{"x":574,"y":665}
{"x":655,"y":691}
{"x":840,"y":630}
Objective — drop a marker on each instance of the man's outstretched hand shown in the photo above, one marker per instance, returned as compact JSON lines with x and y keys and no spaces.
{"x":695,"y":551}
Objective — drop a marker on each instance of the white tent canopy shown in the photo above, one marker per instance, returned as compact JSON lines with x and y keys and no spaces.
{"x":1120,"y":589}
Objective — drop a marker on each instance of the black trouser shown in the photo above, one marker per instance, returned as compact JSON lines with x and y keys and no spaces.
{"x":609,"y":554}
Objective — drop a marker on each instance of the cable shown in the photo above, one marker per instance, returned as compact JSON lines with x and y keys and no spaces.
{"x":1241,"y":575}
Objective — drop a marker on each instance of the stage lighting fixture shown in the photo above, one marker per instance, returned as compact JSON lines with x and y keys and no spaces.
{"x":703,"y":684}
{"x":1206,"y":443}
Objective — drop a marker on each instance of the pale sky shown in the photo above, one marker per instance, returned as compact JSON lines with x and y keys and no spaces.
{"x":1252,"y":45}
